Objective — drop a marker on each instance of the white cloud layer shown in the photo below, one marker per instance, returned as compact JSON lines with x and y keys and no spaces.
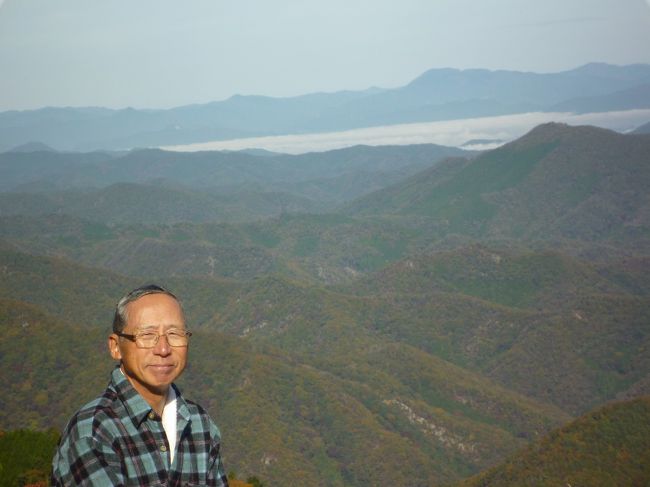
{"x":450,"y":133}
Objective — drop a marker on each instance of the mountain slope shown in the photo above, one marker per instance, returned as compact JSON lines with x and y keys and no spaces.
{"x":610,"y":446}
{"x":533,"y":321}
{"x":556,"y":181}
{"x":315,"y":176}
{"x":326,"y":248}
{"x":130,"y":203}
{"x":643,"y":129}
{"x":58,"y":286}
{"x":629,"y":99}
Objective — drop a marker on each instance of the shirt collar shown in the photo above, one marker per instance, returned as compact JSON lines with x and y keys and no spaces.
{"x":136,"y":407}
{"x":181,"y":405}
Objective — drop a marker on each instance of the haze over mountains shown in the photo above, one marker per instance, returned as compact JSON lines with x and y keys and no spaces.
{"x":209,"y":186}
{"x":439,"y":94}
{"x":394,"y":315}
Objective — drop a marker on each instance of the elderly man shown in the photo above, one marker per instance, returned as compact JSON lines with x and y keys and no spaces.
{"x":141,"y":430}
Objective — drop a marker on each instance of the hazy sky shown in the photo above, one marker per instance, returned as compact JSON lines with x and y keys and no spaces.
{"x":163,"y":53}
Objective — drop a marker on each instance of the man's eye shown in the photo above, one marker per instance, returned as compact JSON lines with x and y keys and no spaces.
{"x":175,"y":333}
{"x":147,"y":336}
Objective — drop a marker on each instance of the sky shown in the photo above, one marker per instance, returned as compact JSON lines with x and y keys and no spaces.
{"x":166,"y":53}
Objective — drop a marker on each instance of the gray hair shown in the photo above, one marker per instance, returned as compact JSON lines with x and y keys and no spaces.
{"x":120,"y":317}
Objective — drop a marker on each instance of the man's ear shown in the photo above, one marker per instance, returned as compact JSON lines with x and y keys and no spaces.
{"x":114,"y":347}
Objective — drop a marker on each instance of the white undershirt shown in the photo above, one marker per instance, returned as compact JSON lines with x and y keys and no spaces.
{"x":168,"y":419}
{"x":169,"y":422}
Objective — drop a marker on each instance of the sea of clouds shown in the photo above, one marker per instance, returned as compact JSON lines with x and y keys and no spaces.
{"x":455,"y":133}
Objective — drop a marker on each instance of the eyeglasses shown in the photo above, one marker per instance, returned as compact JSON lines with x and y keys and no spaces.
{"x":149,"y":339}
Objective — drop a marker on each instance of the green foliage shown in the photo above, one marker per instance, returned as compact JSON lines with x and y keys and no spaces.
{"x":512,"y":277}
{"x":501,"y":169}
{"x":254,"y":481}
{"x":460,"y":200}
{"x":60,"y":287}
{"x":50,"y":368}
{"x":555,"y":182}
{"x":610,"y":446}
{"x":26,"y":456}
{"x":306,"y":246}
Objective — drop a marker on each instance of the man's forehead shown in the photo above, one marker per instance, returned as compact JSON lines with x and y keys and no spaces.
{"x":164,"y":326}
{"x":154,"y":309}
{"x":155,"y":302}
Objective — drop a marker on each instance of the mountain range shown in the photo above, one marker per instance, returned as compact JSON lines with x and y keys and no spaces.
{"x":438,"y":94}
{"x":448,"y":315}
{"x":559,"y":186}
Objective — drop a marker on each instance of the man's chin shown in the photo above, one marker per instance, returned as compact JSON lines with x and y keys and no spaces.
{"x":156,"y":382}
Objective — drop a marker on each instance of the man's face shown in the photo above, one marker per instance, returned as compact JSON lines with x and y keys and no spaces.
{"x":151,"y":370}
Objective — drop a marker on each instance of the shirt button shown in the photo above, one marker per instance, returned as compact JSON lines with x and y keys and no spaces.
{"x":152,"y":415}
{"x":163,"y":448}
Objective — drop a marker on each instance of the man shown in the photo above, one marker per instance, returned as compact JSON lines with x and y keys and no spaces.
{"x":141,"y":430}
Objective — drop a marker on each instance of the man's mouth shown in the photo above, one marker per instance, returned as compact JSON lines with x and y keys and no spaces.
{"x":161,"y":367}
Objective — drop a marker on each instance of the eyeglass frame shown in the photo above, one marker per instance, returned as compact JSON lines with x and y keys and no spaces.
{"x":134,"y":338}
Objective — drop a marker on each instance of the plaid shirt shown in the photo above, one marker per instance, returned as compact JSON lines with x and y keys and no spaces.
{"x":117,"y":440}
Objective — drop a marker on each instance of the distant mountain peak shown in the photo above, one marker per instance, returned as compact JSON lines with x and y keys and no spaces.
{"x":32,"y":147}
{"x":436,"y":95}
{"x":613,"y":71}
{"x":553,"y":130}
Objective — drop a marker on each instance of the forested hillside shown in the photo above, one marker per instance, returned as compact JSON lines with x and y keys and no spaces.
{"x":609,"y":446}
{"x":427,"y":323}
{"x":555,"y":182}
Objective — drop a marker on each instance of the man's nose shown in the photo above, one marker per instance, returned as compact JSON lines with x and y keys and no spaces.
{"x":162,"y":347}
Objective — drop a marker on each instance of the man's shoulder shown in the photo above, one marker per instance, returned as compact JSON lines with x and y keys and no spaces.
{"x":94,"y":415}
